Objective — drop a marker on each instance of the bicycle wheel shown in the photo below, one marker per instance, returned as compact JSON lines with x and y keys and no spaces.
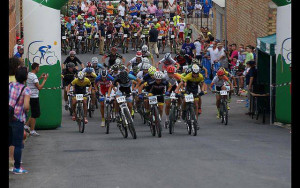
{"x":222,"y":111}
{"x":225,"y":114}
{"x":193,"y":123}
{"x":157,"y":122}
{"x":172,"y":119}
{"x":188,"y":121}
{"x":81,"y":119}
{"x":130,"y":123}
{"x":107,"y":118}
{"x":152,"y":126}
{"x":122,"y":128}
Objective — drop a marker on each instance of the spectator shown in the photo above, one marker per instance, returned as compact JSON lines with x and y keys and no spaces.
{"x":155,"y":2}
{"x":121,"y":10}
{"x":86,"y":7}
{"x":206,"y":9}
{"x":234,"y":53}
{"x":166,"y":11}
{"x":190,"y":49}
{"x":159,"y":12}
{"x":138,"y":7}
{"x":101,"y":29}
{"x":20,"y":52}
{"x":33,"y":84}
{"x":152,"y":9}
{"x":198,"y":8}
{"x":198,"y":47}
{"x":143,"y":11}
{"x":188,"y":32}
{"x":241,"y":57}
{"x":180,"y":28}
{"x":249,"y":54}
{"x":16,"y":46}
{"x":92,"y":9}
{"x":83,"y":5}
{"x":190,"y":9}
{"x":172,"y":10}
{"x":153,"y":35}
{"x":110,"y":8}
{"x":16,"y":135}
{"x":251,"y":78}
{"x":133,"y":9}
{"x":222,"y":56}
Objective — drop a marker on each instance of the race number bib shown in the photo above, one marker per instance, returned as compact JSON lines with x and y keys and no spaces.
{"x":223,"y":92}
{"x":64,"y":37}
{"x":172,"y":36}
{"x":79,"y":37}
{"x":159,"y":37}
{"x":125,"y":35}
{"x":185,"y":67}
{"x":96,"y":36}
{"x":109,"y":36}
{"x":173,"y":96}
{"x":71,"y":88}
{"x":79,"y":97}
{"x":142,"y":36}
{"x":121,"y":99}
{"x":153,"y":100}
{"x":189,"y":98}
{"x":135,"y":34}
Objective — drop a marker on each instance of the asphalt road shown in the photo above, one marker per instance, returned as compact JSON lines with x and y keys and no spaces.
{"x":246,"y":153}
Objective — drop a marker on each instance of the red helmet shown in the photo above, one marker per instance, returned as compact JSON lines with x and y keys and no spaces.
{"x":89,"y":64}
{"x":139,"y":54}
{"x":220,"y":73}
{"x":113,"y":49}
{"x":73,"y":16}
{"x":171,"y":69}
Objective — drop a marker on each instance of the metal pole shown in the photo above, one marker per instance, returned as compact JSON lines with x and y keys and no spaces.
{"x":225,"y":25}
{"x":271,"y":91}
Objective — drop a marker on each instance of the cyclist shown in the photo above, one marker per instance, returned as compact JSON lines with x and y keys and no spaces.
{"x":144,"y":69}
{"x":68,"y":75}
{"x":110,"y":31}
{"x":145,"y":31}
{"x":102,"y":84}
{"x":124,"y":81}
{"x":81,"y":31}
{"x":181,"y":59}
{"x":90,"y":74}
{"x":113,"y":55}
{"x":219,"y":81}
{"x":118,"y":26}
{"x":89,"y":27}
{"x":191,"y":81}
{"x":96,"y":66}
{"x":80,"y":83}
{"x":126,"y":30}
{"x":167,"y":61}
{"x":136,"y":60}
{"x":173,"y":78}
{"x":162,"y":31}
{"x":72,"y":58}
{"x":172,"y":32}
{"x":147,"y":54}
{"x":156,"y":87}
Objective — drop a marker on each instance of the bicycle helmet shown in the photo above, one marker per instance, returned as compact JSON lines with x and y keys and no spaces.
{"x":135,"y":69}
{"x":144,"y":48}
{"x":154,"y":20}
{"x":146,"y":66}
{"x":182,"y":52}
{"x":80,"y":75}
{"x":158,"y":75}
{"x":104,"y":73}
{"x":70,"y":65}
{"x":72,"y":53}
{"x":145,"y":60}
{"x":115,"y":67}
{"x":95,"y":60}
{"x":118,"y":62}
{"x":124,"y":77}
{"x":151,"y":71}
{"x":195,"y":69}
{"x":88,"y":64}
{"x":167,"y":56}
{"x":220,"y":72}
{"x":171,"y":69}
{"x":138,"y":54}
{"x":88,"y":70}
{"x":187,"y":71}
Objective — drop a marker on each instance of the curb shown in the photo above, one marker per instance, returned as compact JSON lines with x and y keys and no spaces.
{"x":283,"y":125}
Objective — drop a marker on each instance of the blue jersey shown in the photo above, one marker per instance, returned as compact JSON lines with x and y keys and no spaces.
{"x":109,"y":78}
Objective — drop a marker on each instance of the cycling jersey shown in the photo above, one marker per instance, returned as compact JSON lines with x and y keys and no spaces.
{"x":81,"y":31}
{"x":125,"y":28}
{"x":112,"y":58}
{"x":88,"y":27}
{"x":118,"y":27}
{"x":133,"y":62}
{"x":219,"y":82}
{"x":192,"y":82}
{"x":104,"y":84}
{"x":162,"y":31}
{"x":171,"y":31}
{"x":147,"y":54}
{"x":145,"y":30}
{"x":92,"y":76}
{"x":167,"y":62}
{"x":125,"y":87}
{"x":158,"y":89}
{"x":80,"y":87}
{"x":68,"y":76}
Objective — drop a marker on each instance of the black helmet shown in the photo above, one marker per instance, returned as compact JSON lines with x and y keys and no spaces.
{"x":104,"y":73}
{"x":182,"y":52}
{"x":70,"y":65}
{"x":124,"y":77}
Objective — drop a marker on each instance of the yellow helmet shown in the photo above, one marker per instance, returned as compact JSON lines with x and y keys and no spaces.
{"x":151,"y":70}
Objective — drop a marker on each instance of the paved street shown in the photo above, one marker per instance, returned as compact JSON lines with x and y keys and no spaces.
{"x":246,"y":153}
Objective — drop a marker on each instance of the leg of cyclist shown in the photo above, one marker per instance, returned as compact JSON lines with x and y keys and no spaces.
{"x":167,"y":111}
{"x":74,"y":108}
{"x":93,"y":97}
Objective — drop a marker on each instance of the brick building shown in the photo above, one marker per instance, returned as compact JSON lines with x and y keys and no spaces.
{"x":12,"y":23}
{"x":246,"y":20}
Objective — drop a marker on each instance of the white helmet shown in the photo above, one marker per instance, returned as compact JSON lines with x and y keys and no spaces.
{"x":167,"y":56}
{"x":94,"y":60}
{"x":154,"y":20}
{"x":158,"y":75}
{"x":195,"y":68}
{"x":144,"y":48}
{"x":118,"y":61}
{"x":146,"y":66}
{"x":80,"y":75}
{"x":145,"y":60}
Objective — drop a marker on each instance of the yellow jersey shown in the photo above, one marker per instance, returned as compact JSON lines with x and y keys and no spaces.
{"x":189,"y":77}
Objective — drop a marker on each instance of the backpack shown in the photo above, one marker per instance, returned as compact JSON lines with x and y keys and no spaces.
{"x":11,"y":109}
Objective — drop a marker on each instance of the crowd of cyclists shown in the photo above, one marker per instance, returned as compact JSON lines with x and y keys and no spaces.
{"x":138,"y":86}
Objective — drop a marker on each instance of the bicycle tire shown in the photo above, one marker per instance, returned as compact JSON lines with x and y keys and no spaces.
{"x":225,"y":115}
{"x":82,"y":124}
{"x":222,"y":111}
{"x":130,"y":123}
{"x":152,"y":126}
{"x":122,"y":128}
{"x":188,"y":121}
{"x":193,"y":118}
{"x":107,"y":118}
{"x":157,"y":122}
{"x":172,"y":119}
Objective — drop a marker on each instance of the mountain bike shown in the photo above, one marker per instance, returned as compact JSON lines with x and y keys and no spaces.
{"x":80,"y":111}
{"x":109,"y":114}
{"x":190,"y":119}
{"x":95,"y":43}
{"x":125,"y":43}
{"x":125,"y":120}
{"x":174,"y":112}
{"x":223,"y":105}
{"x":154,"y":117}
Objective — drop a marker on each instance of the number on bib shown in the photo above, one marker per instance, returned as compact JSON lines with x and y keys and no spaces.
{"x":79,"y":97}
{"x":125,"y":35}
{"x":109,"y":36}
{"x":79,"y":37}
{"x":172,"y":36}
{"x":135,"y":34}
{"x":153,"y":100}
{"x":159,"y":37}
{"x":173,"y":96}
{"x":121,"y":99}
{"x":71,"y":88}
{"x":96,"y":36}
{"x":64,"y":37}
{"x":189,"y":98}
{"x":223,"y":92}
